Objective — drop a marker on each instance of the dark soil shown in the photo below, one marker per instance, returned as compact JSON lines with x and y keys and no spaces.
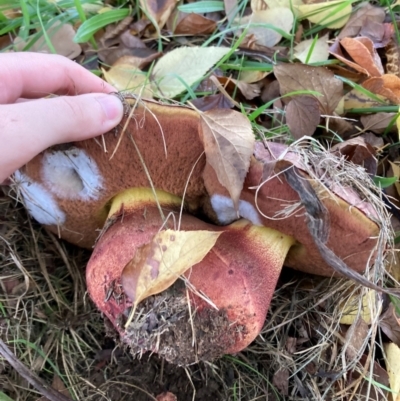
{"x":164,"y":323}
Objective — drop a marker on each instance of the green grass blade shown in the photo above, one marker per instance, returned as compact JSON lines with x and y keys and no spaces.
{"x":201,"y":7}
{"x":92,"y":25}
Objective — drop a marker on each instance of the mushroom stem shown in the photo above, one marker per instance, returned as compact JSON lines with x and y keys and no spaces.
{"x":224,"y":305}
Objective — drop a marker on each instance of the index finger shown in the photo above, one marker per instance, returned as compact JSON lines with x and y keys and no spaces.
{"x":35,"y":75}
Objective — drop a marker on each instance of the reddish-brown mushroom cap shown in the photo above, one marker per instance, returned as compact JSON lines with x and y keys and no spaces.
{"x":238,"y":276}
{"x":79,"y":179}
{"x":353,"y":236}
{"x":68,"y":188}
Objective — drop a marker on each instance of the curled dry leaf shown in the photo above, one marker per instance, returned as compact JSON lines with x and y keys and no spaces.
{"x":365,"y":59}
{"x":312,"y":52}
{"x":158,"y":264}
{"x":182,"y":67}
{"x":194,"y":24}
{"x":228,"y":143}
{"x":158,"y":10}
{"x":358,"y":152}
{"x":278,"y":17}
{"x":365,"y":13}
{"x":332,"y":14}
{"x":294,"y":77}
{"x":302,"y":116}
{"x":387,"y":85}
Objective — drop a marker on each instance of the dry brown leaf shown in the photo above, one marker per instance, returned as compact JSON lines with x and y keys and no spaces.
{"x":355,"y":337}
{"x":127,"y":45}
{"x":380,"y":34}
{"x":336,"y":51}
{"x":159,"y":10}
{"x":390,"y":324}
{"x":219,"y":101}
{"x":387,"y":85}
{"x":365,"y":13}
{"x":249,"y":91}
{"x":302,"y":116}
{"x":294,"y":77}
{"x":228,"y":143}
{"x":358,"y":152}
{"x":375,"y":392}
{"x":57,"y":385}
{"x":61,"y":36}
{"x":158,"y":264}
{"x":281,"y":381}
{"x":362,"y":51}
{"x":377,"y":122}
{"x":195,"y":24}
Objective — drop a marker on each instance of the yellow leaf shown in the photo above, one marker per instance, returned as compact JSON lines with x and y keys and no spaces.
{"x":158,"y":264}
{"x":278,"y":17}
{"x":253,"y":76}
{"x":319,"y":52}
{"x":392,"y":359}
{"x":182,"y":67}
{"x":228,"y":143}
{"x":350,"y":308}
{"x":125,"y":76}
{"x":332,"y":14}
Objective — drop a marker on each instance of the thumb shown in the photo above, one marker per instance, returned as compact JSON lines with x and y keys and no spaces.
{"x":28,"y":128}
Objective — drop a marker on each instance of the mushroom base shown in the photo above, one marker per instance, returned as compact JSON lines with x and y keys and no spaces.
{"x":167,"y":325}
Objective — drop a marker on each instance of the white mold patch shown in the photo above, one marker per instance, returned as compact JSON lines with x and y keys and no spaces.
{"x":226,"y":214}
{"x":71,"y":174}
{"x":39,"y":201}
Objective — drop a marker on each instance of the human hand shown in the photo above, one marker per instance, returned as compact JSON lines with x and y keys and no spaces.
{"x":29,"y":123}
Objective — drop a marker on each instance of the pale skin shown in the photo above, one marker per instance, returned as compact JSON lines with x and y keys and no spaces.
{"x":31,"y":121}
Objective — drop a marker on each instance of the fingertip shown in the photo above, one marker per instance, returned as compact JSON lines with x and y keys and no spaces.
{"x":113,"y":109}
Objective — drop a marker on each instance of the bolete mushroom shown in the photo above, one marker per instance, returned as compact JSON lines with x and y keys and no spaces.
{"x":230,"y":289}
{"x":72,"y":188}
{"x":68,"y":187}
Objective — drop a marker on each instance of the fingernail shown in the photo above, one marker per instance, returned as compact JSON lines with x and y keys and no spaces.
{"x":112,"y":107}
